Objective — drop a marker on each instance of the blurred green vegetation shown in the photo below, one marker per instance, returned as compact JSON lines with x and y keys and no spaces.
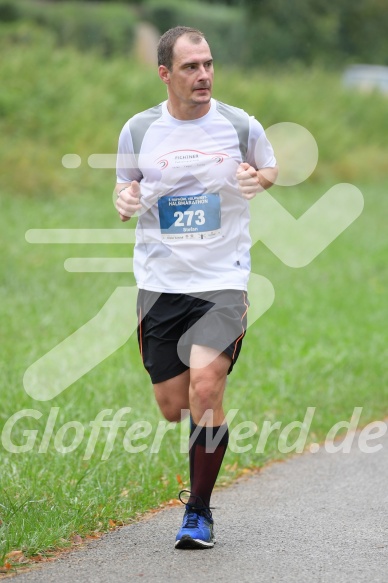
{"x":105,"y":27}
{"x":245,"y":32}
{"x":317,"y":31}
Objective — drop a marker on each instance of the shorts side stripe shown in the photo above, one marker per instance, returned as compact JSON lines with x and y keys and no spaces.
{"x":243,"y":331}
{"x":141,"y":333}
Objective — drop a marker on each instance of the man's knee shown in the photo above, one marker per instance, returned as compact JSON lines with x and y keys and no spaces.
{"x":207,"y":388}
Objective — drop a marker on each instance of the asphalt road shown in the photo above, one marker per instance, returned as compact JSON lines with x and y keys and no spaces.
{"x":318,"y":517}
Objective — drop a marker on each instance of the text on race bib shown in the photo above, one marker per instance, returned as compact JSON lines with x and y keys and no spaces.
{"x":196,"y":216}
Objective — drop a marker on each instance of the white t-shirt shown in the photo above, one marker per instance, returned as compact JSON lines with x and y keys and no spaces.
{"x":192,"y":234}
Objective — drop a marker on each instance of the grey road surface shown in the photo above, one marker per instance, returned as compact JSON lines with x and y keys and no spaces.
{"x":318,"y":517}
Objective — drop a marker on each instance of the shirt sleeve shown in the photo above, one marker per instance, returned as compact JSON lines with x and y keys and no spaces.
{"x":260,"y":153}
{"x":126,"y":162}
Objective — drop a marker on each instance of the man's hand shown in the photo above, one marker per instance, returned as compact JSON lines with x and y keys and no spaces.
{"x":252,"y":181}
{"x":128,"y":201}
{"x":248,"y":180}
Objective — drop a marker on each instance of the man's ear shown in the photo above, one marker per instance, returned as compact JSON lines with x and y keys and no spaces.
{"x":164,"y":74}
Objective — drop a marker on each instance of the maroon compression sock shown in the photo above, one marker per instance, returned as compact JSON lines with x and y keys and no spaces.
{"x":207,"y":450}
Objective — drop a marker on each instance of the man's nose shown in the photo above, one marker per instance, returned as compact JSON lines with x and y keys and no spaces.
{"x":203,"y":72}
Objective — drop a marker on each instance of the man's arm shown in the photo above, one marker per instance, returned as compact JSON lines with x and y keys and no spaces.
{"x":128,"y":199}
{"x":252,"y":181}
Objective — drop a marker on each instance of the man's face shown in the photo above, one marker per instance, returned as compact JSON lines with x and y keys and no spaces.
{"x":190,"y":81}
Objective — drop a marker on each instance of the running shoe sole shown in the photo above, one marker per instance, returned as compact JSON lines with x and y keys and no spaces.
{"x":186,"y":542}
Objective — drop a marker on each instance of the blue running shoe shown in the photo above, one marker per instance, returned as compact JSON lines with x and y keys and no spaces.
{"x":197,"y":531}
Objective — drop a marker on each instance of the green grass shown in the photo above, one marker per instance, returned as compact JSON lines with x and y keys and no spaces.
{"x":322,"y":344}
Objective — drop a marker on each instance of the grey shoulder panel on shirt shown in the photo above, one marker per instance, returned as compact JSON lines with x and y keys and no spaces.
{"x":139,"y":124}
{"x":240,"y":121}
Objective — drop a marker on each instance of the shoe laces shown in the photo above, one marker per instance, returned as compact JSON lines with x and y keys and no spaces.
{"x":191,"y":519}
{"x":194,"y":511}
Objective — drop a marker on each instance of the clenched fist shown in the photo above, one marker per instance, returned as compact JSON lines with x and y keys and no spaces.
{"x":248,"y":180}
{"x":128,"y":201}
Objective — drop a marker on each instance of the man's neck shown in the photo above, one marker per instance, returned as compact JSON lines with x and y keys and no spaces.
{"x":188,"y":113}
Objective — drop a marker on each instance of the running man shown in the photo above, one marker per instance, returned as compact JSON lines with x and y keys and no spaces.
{"x":187,"y":168}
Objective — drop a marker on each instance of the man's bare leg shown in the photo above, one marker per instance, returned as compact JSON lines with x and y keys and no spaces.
{"x":172,"y":396}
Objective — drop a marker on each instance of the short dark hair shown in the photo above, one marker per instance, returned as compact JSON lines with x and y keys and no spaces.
{"x":167,"y":42}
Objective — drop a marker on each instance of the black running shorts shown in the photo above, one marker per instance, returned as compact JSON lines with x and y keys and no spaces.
{"x":169,"y":324}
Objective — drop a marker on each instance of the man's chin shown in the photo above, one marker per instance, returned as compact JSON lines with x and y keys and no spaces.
{"x":202,"y":98}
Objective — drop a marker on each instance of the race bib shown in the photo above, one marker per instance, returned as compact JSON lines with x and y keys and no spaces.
{"x":196,"y":216}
